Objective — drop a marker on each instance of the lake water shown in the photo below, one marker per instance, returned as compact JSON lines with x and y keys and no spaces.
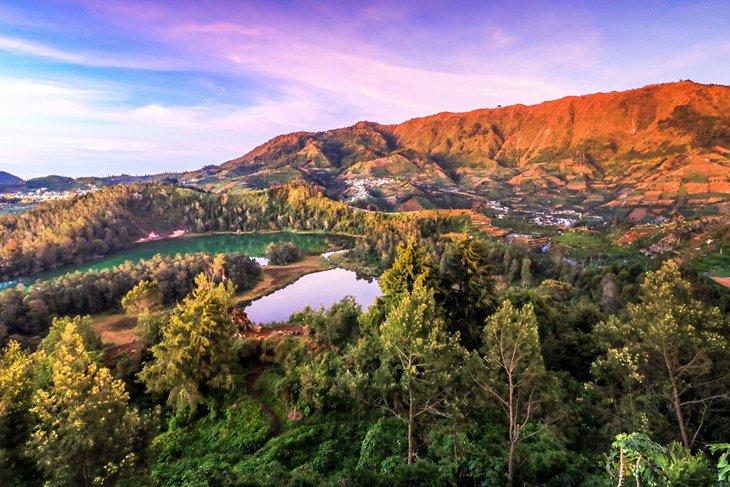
{"x":314,"y":290}
{"x":252,"y":244}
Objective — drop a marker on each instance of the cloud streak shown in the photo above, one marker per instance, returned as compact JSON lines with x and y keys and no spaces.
{"x":152,"y":86}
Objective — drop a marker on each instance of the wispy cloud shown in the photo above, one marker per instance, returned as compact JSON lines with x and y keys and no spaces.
{"x":157,"y":85}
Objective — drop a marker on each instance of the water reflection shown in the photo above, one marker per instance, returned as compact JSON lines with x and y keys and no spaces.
{"x":321,"y":288}
{"x":251,"y":244}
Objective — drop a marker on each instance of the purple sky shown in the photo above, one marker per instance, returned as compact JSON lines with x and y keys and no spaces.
{"x":91,"y":87}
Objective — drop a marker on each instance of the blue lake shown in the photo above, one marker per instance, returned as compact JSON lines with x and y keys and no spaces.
{"x":318,"y":289}
{"x":251,"y":244}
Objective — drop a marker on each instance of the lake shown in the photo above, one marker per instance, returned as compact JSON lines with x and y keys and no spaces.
{"x":251,"y":244}
{"x":314,"y":290}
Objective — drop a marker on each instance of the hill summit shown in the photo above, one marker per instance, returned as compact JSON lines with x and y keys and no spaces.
{"x":9,"y":182}
{"x":659,"y":148}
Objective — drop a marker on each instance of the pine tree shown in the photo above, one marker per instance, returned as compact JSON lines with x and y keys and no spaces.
{"x":411,"y":263}
{"x":417,"y":358}
{"x":526,"y":272}
{"x":195,"y":355}
{"x":466,"y":288}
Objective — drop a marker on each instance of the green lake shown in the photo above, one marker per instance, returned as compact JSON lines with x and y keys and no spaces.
{"x":252,"y":244}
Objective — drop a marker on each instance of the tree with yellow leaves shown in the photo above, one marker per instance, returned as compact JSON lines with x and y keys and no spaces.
{"x":16,"y":391}
{"x":85,"y":432}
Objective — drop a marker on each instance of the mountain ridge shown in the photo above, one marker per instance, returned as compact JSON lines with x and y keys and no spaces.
{"x":10,"y":181}
{"x":661,"y":146}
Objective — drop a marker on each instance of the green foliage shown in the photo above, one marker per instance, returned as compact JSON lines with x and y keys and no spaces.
{"x":195,"y":355}
{"x":723,"y":465}
{"x":49,"y":346}
{"x":203,"y":451}
{"x":417,"y":361}
{"x":382,"y":444}
{"x":309,"y":380}
{"x":337,"y":325}
{"x":513,"y":370}
{"x":466,"y":288}
{"x":401,"y":358}
{"x":283,"y":253}
{"x":149,"y":328}
{"x":82,"y":324}
{"x":666,"y":347}
{"x":635,"y":457}
{"x":98,"y":291}
{"x":411,"y":263}
{"x":526,"y":272}
{"x":319,"y":445}
{"x":145,"y":296}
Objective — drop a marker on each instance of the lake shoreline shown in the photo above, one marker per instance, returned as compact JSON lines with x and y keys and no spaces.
{"x":18,"y":279}
{"x":282,"y":276}
{"x":190,"y":238}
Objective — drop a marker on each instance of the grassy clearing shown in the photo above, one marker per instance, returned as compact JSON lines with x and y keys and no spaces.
{"x":716,"y":264}
{"x":115,"y":328}
{"x":584,"y":245}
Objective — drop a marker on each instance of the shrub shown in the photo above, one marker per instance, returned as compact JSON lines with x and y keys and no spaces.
{"x":283,"y":253}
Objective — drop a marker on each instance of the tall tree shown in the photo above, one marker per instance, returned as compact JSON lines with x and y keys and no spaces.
{"x":512,"y":370}
{"x":16,"y":391}
{"x":85,"y":432}
{"x":417,"y":360}
{"x":411,"y":262}
{"x":668,"y":342}
{"x":466,"y":290}
{"x":526,"y":272}
{"x":145,"y":296}
{"x":195,"y":355}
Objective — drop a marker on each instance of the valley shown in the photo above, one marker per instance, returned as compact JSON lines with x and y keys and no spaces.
{"x":336,"y":305}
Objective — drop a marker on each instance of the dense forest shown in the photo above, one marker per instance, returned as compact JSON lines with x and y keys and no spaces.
{"x":480,"y":364}
{"x":29,"y":312}
{"x":67,"y":231}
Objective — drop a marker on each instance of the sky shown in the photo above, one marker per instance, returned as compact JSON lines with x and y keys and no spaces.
{"x":92,"y":87}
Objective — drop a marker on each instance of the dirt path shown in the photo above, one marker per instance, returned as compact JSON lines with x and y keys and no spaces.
{"x":250,"y":385}
{"x":115,"y":329}
{"x":723,"y":281}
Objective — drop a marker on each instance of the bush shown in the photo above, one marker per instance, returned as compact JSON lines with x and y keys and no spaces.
{"x":334,"y":326}
{"x":283,"y":253}
{"x":204,"y":451}
{"x":383,"y":443}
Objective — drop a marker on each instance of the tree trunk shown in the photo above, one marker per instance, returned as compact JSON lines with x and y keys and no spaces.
{"x":511,"y":463}
{"x":410,"y":428}
{"x":512,"y":432}
{"x":677,"y":403}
